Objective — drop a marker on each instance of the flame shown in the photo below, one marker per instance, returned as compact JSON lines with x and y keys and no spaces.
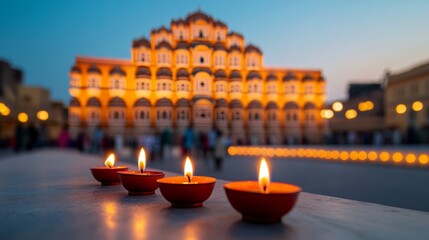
{"x":188,"y":169}
{"x":142,"y":160}
{"x":264,"y":176}
{"x":110,"y":161}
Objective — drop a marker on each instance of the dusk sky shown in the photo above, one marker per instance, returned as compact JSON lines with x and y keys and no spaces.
{"x":347,"y":40}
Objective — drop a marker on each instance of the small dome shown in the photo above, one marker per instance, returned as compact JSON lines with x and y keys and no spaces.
{"x":309,"y":106}
{"x":142,"y":102}
{"x":75,"y":69}
{"x":117,"y":70}
{"x":143,"y":72}
{"x":182,"y":45}
{"x":219,"y":23}
{"x":290,"y":76}
{"x":221,"y":103}
{"x":271,"y":77}
{"x":232,"y":33}
{"x":164,"y":73}
{"x":253,"y":74}
{"x":198,"y":15}
{"x":161,"y":29}
{"x":219,"y":47}
{"x":74,"y":102}
{"x":235,"y":48}
{"x":163,"y":44}
{"x":220,"y":74}
{"x":183,"y":102}
{"x":164,"y":102}
{"x":254,"y":105}
{"x":235,"y":75}
{"x":93,"y":102}
{"x":236,"y":104}
{"x":197,"y":70}
{"x":307,"y":78}
{"x":272,"y":106}
{"x":116,"y":102}
{"x":178,"y":22}
{"x":141,"y":42}
{"x":94,"y":69}
{"x":182,"y":74}
{"x":291,"y":106}
{"x":197,"y":43}
{"x":252,"y":48}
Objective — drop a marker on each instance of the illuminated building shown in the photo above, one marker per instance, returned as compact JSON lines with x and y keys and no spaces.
{"x":197,"y":72}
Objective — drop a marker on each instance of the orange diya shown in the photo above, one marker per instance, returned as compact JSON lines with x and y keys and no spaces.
{"x":108,"y":175}
{"x":140,"y":182}
{"x":187,"y":191}
{"x":262,"y":201}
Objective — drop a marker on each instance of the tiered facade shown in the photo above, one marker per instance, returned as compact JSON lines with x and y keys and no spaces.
{"x":197,"y":72}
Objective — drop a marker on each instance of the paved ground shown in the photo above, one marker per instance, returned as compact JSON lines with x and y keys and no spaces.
{"x":50,"y":194}
{"x":398,"y":186}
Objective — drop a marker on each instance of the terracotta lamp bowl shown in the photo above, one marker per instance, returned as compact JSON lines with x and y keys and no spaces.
{"x":140,"y":184}
{"x":255,"y":206}
{"x":180,"y":193}
{"x":108,"y":176}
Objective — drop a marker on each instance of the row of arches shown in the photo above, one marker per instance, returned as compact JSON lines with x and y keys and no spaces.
{"x":165,"y":72}
{"x":165,"y":102}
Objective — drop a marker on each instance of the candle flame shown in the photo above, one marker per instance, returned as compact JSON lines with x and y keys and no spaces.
{"x":142,"y":160}
{"x":110,"y":161}
{"x":188,"y":169}
{"x":264,"y":176}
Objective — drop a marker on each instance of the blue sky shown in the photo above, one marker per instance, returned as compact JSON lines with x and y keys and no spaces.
{"x":347,"y":40}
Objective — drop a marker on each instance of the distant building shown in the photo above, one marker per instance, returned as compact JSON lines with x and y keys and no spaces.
{"x":361,"y":115}
{"x":407,"y":103}
{"x":196,"y":72}
{"x":26,"y":104}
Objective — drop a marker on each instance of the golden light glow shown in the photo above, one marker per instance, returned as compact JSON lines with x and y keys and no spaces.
{"x":335,"y":154}
{"x":350,"y":114}
{"x":410,"y":158}
{"x":264,"y":176}
{"x":354,"y":155}
{"x":110,"y":161}
{"x":417,"y":106}
{"x":384,"y":156}
{"x":401,"y":109}
{"x":42,"y":115}
{"x":337,"y":106}
{"x":365,"y":106}
{"x":4,"y":110}
{"x":423,"y":159}
{"x":142,"y":160}
{"x":397,"y":157}
{"x":22,"y":117}
{"x":232,"y":151}
{"x":344,"y":155}
{"x":188,"y":169}
{"x":362,"y":155}
{"x":110,"y":213}
{"x":372,"y":156}
{"x":326,"y":114}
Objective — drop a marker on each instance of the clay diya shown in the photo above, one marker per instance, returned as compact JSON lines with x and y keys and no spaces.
{"x":108,"y":175}
{"x":262,"y":202}
{"x":187,"y":191}
{"x":140,"y":182}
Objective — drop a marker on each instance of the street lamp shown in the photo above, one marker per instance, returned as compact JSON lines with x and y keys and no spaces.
{"x":22,"y":117}
{"x":337,"y":106}
{"x":326,"y":113}
{"x":351,"y":114}
{"x":401,"y":108}
{"x":417,"y":106}
{"x":42,"y":115}
{"x":4,"y":110}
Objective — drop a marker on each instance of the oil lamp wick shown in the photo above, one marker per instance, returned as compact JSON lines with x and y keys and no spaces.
{"x":189,"y":178}
{"x":265,"y":188}
{"x":141,"y":171}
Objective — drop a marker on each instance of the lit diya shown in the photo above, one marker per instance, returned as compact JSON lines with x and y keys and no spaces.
{"x":262,"y":201}
{"x":187,"y":191}
{"x":108,"y":175}
{"x":140,"y":182}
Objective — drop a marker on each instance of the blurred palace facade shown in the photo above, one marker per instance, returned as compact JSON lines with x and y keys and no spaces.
{"x":197,"y":73}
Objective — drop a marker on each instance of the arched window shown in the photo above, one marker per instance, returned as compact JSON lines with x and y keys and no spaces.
{"x":201,"y":59}
{"x":116,"y":115}
{"x":295,"y":117}
{"x":164,"y":115}
{"x":141,"y":114}
{"x":222,"y":115}
{"x":201,"y":35}
{"x":182,"y":114}
{"x":116,"y":85}
{"x":256,"y":116}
